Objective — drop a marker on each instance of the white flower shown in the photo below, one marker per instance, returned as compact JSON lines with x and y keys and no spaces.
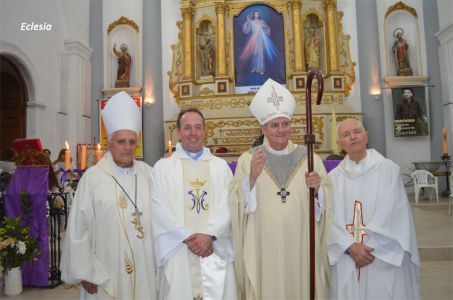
{"x":21,"y":247}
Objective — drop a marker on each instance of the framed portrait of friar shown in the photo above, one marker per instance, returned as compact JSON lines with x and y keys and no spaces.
{"x":410,"y":114}
{"x":259,"y":47}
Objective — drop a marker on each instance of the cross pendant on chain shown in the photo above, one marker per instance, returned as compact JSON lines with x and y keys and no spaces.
{"x":283,"y":193}
{"x":138,"y":225}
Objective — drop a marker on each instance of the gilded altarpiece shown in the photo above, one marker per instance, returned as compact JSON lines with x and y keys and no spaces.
{"x":203,"y":69}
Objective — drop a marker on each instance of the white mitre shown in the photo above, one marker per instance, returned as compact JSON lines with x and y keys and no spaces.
{"x":272,"y":101}
{"x":121,"y":113}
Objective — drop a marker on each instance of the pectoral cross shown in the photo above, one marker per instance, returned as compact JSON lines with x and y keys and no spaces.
{"x":357,"y":226}
{"x":137,"y":223}
{"x":283,"y":193}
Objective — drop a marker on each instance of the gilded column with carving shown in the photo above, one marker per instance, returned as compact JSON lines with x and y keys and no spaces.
{"x":221,"y":54}
{"x":187,"y":41}
{"x":331,"y":8}
{"x":299,"y":56}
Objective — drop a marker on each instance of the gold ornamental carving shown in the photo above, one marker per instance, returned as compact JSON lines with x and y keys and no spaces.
{"x":299,"y":58}
{"x":122,"y":21}
{"x":346,"y":64}
{"x":330,"y":6}
{"x":401,"y":6}
{"x":187,"y":41}
{"x":203,"y":104}
{"x":221,"y":54}
{"x":233,"y":9}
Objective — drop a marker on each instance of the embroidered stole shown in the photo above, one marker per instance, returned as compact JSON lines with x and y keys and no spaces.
{"x":197,"y":193}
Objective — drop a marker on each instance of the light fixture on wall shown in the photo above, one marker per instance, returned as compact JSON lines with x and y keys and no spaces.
{"x":376,"y":92}
{"x":149,"y":101}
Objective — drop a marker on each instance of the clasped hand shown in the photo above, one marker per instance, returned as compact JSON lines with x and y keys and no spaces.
{"x":200,"y":244}
{"x":361,"y":254}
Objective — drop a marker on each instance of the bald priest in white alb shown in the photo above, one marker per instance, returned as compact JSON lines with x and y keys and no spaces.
{"x":372,"y":246}
{"x":269,"y":206}
{"x":108,"y":243}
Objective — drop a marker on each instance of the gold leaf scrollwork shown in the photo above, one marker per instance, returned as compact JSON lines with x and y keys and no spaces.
{"x":401,"y":6}
{"x":346,"y":63}
{"x":122,"y":21}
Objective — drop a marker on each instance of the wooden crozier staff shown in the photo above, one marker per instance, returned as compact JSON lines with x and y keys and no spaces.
{"x":309,"y":141}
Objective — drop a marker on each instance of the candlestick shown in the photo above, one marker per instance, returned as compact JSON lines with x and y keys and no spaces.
{"x":170,"y":146}
{"x":99,"y":153}
{"x":83,"y":162}
{"x":444,"y":141}
{"x":67,"y":157}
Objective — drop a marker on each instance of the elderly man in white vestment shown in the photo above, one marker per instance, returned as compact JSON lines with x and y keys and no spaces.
{"x":270,"y":207}
{"x":372,"y":246}
{"x":108,"y":243}
{"x":191,"y":221}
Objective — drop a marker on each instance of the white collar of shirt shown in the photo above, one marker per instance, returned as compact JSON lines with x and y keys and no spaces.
{"x":123,"y":171}
{"x":357,"y":168}
{"x":278,"y":152}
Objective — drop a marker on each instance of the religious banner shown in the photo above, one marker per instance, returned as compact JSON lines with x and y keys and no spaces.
{"x":259,"y":48}
{"x":103,"y":132}
{"x":409,"y":107}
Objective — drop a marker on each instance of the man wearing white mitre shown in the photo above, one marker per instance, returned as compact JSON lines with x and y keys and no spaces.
{"x":269,"y":206}
{"x":372,"y":246}
{"x":191,"y":221}
{"x":108,"y":243}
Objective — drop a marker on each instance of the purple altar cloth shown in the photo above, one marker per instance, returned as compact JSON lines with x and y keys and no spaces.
{"x":328,"y":164}
{"x":34,"y":180}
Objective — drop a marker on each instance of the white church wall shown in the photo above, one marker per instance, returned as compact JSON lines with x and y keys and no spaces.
{"x":40,"y":54}
{"x":402,"y":150}
{"x":348,"y":7}
{"x":170,"y":15}
{"x":445,"y":37}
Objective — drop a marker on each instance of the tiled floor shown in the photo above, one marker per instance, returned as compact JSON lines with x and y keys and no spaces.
{"x":434,"y":229}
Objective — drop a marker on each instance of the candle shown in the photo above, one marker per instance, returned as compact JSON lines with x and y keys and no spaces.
{"x":67,"y":157}
{"x":444,"y":141}
{"x":99,"y":153}
{"x":83,"y":162}
{"x":170,"y":146}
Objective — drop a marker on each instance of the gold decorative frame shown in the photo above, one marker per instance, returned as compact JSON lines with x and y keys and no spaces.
{"x":122,"y":21}
{"x":401,"y":6}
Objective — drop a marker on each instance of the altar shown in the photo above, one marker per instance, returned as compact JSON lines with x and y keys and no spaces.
{"x":219,"y":63}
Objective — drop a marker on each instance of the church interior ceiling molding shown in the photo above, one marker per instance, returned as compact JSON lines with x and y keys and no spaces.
{"x":211,"y":49}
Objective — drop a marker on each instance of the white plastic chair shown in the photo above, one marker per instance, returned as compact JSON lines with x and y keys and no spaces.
{"x":424,"y":179}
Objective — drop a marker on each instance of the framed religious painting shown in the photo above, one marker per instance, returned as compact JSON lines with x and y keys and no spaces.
{"x":299,"y":83}
{"x":103,"y":132}
{"x":409,"y":108}
{"x":259,"y":48}
{"x":222,"y":86}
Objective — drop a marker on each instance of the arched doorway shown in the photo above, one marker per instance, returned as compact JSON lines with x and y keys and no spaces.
{"x":13,"y":104}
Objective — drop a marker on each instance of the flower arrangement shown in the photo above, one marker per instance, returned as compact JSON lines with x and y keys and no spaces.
{"x":16,"y":243}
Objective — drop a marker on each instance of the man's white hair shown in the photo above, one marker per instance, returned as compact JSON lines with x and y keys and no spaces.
{"x":339,"y":124}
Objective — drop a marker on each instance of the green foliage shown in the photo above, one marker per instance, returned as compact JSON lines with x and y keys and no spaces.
{"x":16,"y":243}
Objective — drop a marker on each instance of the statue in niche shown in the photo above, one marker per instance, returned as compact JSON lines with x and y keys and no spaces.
{"x":206,"y":48}
{"x":312,"y":42}
{"x":124,"y":66}
{"x":207,"y":54}
{"x":312,"y":50}
{"x":401,"y":51}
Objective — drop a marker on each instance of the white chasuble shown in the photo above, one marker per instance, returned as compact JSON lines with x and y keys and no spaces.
{"x":192,"y":197}
{"x":272,"y":242}
{"x":370,"y":206}
{"x":104,"y":244}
